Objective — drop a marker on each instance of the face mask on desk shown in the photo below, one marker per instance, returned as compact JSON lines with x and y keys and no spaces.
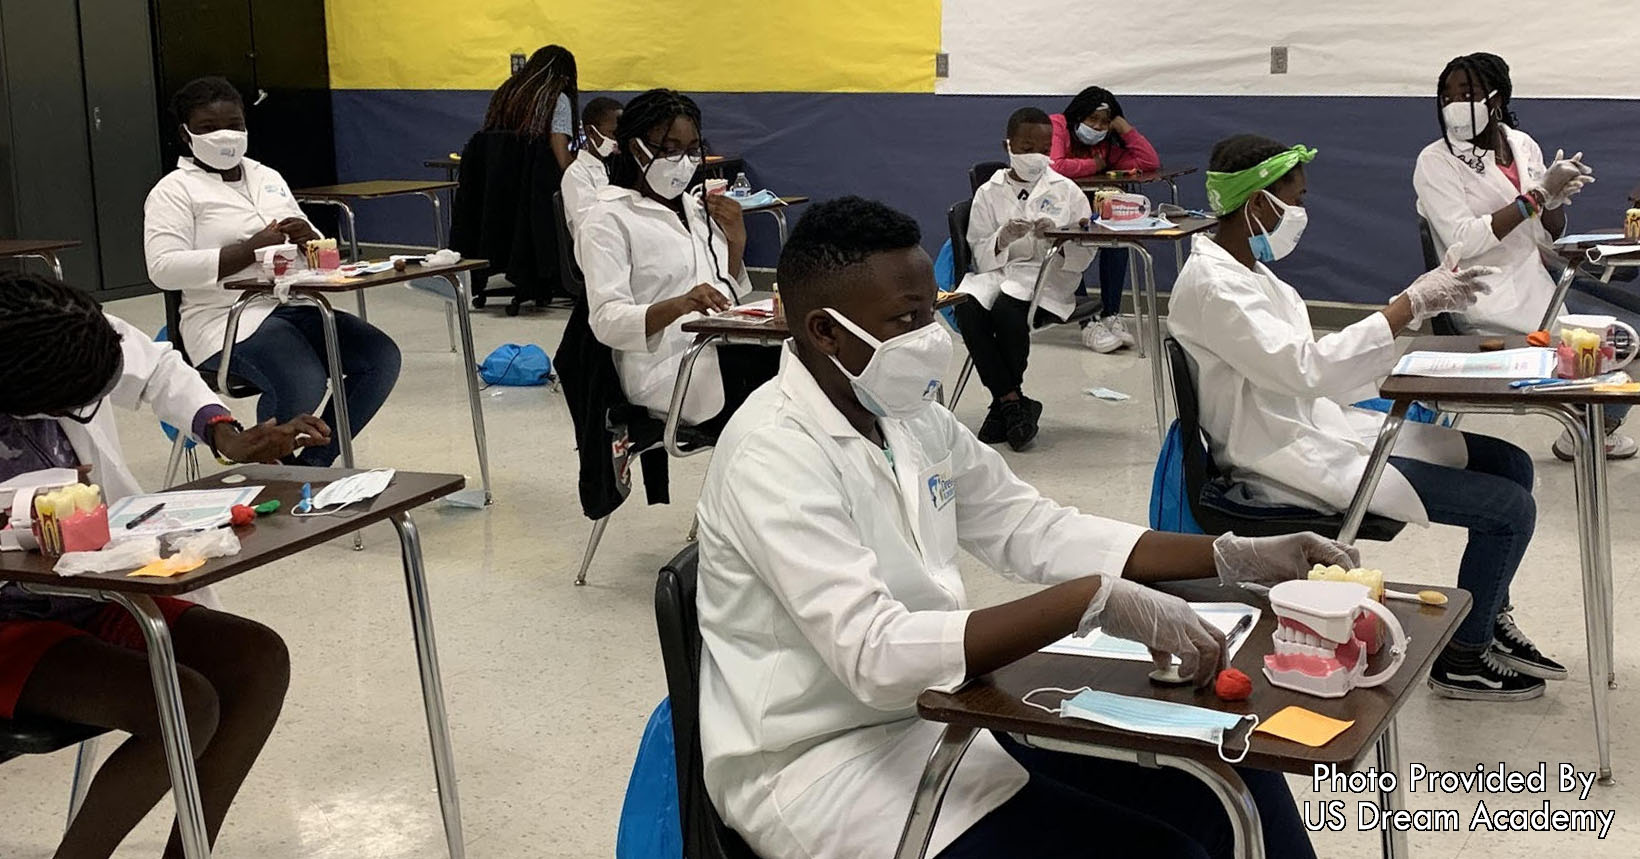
{"x":668,"y":177}
{"x":1147,"y":716}
{"x":903,"y":375}
{"x":222,"y":149}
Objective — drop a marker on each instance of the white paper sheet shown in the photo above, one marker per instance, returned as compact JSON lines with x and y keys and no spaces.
{"x":1137,"y":225}
{"x":1099,"y":645}
{"x":1588,"y":238}
{"x":188,"y":510}
{"x":1528,"y":363}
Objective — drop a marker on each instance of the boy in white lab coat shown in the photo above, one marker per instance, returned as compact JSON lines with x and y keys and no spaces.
{"x":81,"y":661}
{"x":1005,"y":232}
{"x":829,"y":595}
{"x":588,"y":174}
{"x":1274,"y":407}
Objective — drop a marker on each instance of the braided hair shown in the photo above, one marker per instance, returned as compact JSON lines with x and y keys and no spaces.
{"x":647,"y":111}
{"x":1241,"y":151}
{"x":1490,"y":74}
{"x":1085,"y":104}
{"x":525,"y":102}
{"x":62,"y":352}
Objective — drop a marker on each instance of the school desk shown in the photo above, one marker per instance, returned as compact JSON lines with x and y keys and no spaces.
{"x":1579,"y":412}
{"x":1133,"y":182}
{"x":40,"y":249}
{"x":315,"y":295}
{"x":777,"y":210}
{"x":269,"y":539}
{"x":346,"y":194}
{"x":1583,"y":252}
{"x":993,"y":702}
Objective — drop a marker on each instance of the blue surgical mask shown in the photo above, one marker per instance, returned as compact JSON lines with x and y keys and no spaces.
{"x":1269,"y":246}
{"x":1088,"y":134}
{"x":1148,"y":716}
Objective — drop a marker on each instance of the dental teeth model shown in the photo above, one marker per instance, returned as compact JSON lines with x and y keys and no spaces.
{"x":1366,"y":627}
{"x":1317,"y":649}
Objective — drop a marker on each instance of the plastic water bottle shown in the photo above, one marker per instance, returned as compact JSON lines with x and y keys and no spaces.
{"x":741,"y":187}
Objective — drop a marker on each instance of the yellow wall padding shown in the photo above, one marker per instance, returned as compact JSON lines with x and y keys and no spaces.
{"x":730,"y":46}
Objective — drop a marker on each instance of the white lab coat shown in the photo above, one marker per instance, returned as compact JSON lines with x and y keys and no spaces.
{"x":1458,"y":204}
{"x":829,"y":599}
{"x":1014,"y":270}
{"x":635,"y":252}
{"x":190,"y":215}
{"x":1273,"y":397}
{"x":585,"y":177}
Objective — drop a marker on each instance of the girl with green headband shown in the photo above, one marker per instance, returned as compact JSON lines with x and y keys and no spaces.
{"x":1273,"y":401}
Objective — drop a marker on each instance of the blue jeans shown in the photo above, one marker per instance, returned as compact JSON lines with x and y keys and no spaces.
{"x":285,"y":358}
{"x":1074,"y":807}
{"x":1492,"y":497}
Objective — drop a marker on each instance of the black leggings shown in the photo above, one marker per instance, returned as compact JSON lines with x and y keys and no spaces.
{"x":999,"y":341}
{"x":233,"y":673}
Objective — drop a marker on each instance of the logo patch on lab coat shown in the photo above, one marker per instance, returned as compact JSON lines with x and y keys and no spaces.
{"x":1047,"y":206}
{"x":942,"y":490}
{"x":276,"y":190}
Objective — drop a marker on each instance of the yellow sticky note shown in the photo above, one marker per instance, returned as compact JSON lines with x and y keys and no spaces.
{"x":1303,"y":726}
{"x":175,"y":565}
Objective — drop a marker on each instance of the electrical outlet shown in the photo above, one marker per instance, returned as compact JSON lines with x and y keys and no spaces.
{"x":1278,"y":59}
{"x":942,"y":65}
{"x":516,"y":61}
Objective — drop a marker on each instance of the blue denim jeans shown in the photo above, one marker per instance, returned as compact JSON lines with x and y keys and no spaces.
{"x":285,"y":358}
{"x":1492,"y":497}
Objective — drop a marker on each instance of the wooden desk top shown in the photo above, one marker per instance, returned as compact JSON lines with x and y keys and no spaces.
{"x":271,"y":538}
{"x":1491,"y":391}
{"x":716,"y":160}
{"x":993,"y":701}
{"x":373,"y":189}
{"x":412,"y":271}
{"x":30,"y":247}
{"x":773,"y":329}
{"x":442,"y":163}
{"x":1180,"y":229}
{"x":781,"y":203}
{"x":1161,"y":174}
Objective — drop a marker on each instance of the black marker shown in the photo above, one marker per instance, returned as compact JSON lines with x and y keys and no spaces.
{"x":145,"y":516}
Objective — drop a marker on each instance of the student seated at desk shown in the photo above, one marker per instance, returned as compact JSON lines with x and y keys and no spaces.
{"x":829,"y":594}
{"x":1483,"y":186}
{"x":1009,"y":215}
{"x":656,"y":256}
{"x":1272,"y":407}
{"x":588,"y":174}
{"x":81,"y":661}
{"x":202,"y":224}
{"x":540,"y":100}
{"x":1089,"y":138}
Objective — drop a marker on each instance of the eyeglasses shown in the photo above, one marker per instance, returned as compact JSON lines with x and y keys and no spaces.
{"x":697,"y":151}
{"x":83,"y":417}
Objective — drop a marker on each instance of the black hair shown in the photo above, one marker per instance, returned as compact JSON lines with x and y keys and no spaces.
{"x":831,"y":237}
{"x":1027,"y":116}
{"x":1085,"y":103}
{"x":525,"y":101}
{"x":200,"y":92}
{"x":1488,"y":72}
{"x":1239,"y":152}
{"x":62,"y":351}
{"x":646,"y":112}
{"x":599,"y":108}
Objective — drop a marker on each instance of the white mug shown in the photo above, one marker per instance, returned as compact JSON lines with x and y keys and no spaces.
{"x":1605,"y":326}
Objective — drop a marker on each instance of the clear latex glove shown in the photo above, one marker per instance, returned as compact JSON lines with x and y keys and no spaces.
{"x":1559,"y":178}
{"x":1272,"y":560}
{"x":1564,"y":198}
{"x":1448,"y":288}
{"x":1042,"y":225}
{"x":1013,"y":231}
{"x":1165,"y":624}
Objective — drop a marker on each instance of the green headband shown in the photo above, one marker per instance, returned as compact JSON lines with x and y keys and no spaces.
{"x":1227,"y":191}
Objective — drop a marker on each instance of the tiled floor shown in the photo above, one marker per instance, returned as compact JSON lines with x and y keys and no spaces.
{"x":549,"y":685}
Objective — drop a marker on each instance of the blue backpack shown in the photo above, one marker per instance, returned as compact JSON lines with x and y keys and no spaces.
{"x":1169,"y":500}
{"x":650,"y":827}
{"x":512,"y":364}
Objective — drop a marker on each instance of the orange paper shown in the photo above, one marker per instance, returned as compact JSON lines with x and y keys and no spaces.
{"x":1303,"y":726}
{"x":175,"y":565}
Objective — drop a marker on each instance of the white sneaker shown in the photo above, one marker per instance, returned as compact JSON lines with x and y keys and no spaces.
{"x":1096,"y":335}
{"x":1618,"y":446}
{"x":1114,"y":323}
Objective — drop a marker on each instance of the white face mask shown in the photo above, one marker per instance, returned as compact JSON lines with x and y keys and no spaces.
{"x":1462,"y":118}
{"x":903,"y":375}
{"x":222,"y":149}
{"x":349,"y":490}
{"x":1028,"y":166}
{"x":603,"y":147}
{"x":667,"y":177}
{"x":1271,"y":246}
{"x":1089,"y":135}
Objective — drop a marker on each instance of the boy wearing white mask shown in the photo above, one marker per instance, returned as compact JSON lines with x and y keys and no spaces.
{"x":1010,"y":214}
{"x":656,"y":254}
{"x":588,"y":174}
{"x":829,"y":595}
{"x":1273,"y":401}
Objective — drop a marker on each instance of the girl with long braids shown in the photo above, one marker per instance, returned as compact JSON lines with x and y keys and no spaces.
{"x":1483,"y":186}
{"x":656,"y":253}
{"x":541,"y":99}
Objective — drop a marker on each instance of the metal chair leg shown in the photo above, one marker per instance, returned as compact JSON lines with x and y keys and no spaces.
{"x":450,"y":324}
{"x":178,"y":448}
{"x":962,"y":382}
{"x":592,"y":548}
{"x":85,"y":766}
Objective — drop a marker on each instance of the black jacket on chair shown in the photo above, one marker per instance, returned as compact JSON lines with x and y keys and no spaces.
{"x":503,"y":210}
{"x":592,"y":388}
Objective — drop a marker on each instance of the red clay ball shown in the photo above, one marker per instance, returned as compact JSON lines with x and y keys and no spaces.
{"x":1233,"y":685}
{"x":242,"y":515}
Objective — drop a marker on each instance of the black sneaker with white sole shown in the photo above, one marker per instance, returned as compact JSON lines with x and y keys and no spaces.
{"x":1470,"y":676}
{"x":1514,"y":649}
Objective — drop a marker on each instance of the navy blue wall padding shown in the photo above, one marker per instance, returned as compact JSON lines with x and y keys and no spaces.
{"x":650,"y":827}
{"x":913,"y":151}
{"x":1169,"y":504}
